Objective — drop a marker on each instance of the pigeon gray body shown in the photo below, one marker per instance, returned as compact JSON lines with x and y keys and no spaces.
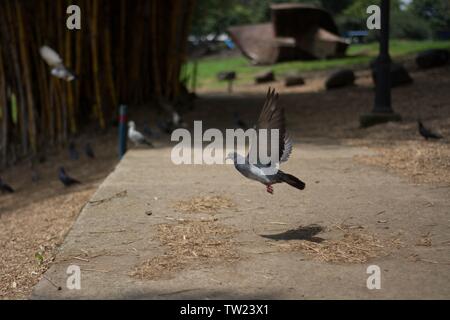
{"x":66,"y":179}
{"x":427,"y":133}
{"x":272,"y":117}
{"x":5,"y":188}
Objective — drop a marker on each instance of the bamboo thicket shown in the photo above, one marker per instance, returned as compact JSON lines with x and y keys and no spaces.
{"x":126,"y":52}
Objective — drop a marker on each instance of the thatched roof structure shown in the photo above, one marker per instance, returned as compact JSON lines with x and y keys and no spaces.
{"x":297,"y":31}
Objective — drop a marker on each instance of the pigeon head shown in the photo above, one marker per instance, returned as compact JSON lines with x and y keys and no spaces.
{"x":131,"y":124}
{"x":62,"y":170}
{"x":233,"y":156}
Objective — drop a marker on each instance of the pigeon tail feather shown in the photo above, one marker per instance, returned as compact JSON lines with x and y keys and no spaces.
{"x":148,"y":143}
{"x":291,"y":180}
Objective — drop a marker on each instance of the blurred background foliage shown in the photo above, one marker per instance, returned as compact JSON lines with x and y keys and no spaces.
{"x":411,"y":19}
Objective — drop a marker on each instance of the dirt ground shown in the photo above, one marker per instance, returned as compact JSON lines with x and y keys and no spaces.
{"x":35,"y":220}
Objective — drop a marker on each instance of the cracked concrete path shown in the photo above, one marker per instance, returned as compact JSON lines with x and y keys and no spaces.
{"x":117,"y":232}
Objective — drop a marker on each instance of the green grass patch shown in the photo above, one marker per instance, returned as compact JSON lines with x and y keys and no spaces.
{"x":208,"y":68}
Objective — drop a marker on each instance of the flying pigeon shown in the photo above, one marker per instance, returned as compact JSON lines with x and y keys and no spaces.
{"x":5,"y":188}
{"x":89,"y":151}
{"x":73,"y":153}
{"x":65,"y":179}
{"x":238,"y":122}
{"x":58,"y":69}
{"x":136,"y":137}
{"x":271,"y":117}
{"x":426,"y":133}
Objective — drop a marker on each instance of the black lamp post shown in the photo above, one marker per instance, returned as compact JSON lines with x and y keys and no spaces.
{"x":382,"y":111}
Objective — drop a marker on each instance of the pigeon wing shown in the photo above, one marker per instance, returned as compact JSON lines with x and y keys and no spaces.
{"x":272,"y":117}
{"x":287,"y":149}
{"x":50,"y":56}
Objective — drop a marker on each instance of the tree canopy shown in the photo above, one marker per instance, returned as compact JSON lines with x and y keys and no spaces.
{"x":215,"y":16}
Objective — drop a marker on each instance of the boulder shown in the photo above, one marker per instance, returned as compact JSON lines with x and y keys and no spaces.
{"x":433,"y":58}
{"x":399,"y":75}
{"x":226,"y":75}
{"x":294,"y":80}
{"x":341,"y":78}
{"x":268,"y":76}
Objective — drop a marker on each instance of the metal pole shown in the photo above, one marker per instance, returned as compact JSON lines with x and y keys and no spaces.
{"x":382,"y":111}
{"x":230,"y":86}
{"x":383,"y":65}
{"x":123,"y":131}
{"x":194,"y":76}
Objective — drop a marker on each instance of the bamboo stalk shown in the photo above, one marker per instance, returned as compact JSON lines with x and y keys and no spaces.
{"x":27,"y":77}
{"x":109,"y":66}
{"x":126,"y":53}
{"x":95,"y":64}
{"x":4,"y":111}
{"x":18,"y":79}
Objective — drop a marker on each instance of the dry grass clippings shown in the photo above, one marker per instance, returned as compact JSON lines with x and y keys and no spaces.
{"x":28,"y":248}
{"x":419,"y":160}
{"x":188,"y":243}
{"x":204,"y":204}
{"x":354,"y":246}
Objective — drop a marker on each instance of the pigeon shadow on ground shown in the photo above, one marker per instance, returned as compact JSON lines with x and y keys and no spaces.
{"x":307,"y":233}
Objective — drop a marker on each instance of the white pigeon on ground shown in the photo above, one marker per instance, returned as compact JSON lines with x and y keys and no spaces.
{"x":136,"y":137}
{"x":58,"y":69}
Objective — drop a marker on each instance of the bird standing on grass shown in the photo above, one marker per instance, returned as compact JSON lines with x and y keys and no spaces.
{"x":271,"y":117}
{"x":58,"y":69}
{"x":136,"y":137}
{"x":426,"y":133}
{"x":5,"y":188}
{"x":65,"y":179}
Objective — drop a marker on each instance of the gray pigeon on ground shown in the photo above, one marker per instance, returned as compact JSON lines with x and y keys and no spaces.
{"x":238,"y":122}
{"x":136,"y":137}
{"x":271,"y":117}
{"x":66,"y":179}
{"x":5,"y":188}
{"x":427,"y":133}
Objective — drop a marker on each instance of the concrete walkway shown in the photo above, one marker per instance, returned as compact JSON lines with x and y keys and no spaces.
{"x":112,"y":237}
